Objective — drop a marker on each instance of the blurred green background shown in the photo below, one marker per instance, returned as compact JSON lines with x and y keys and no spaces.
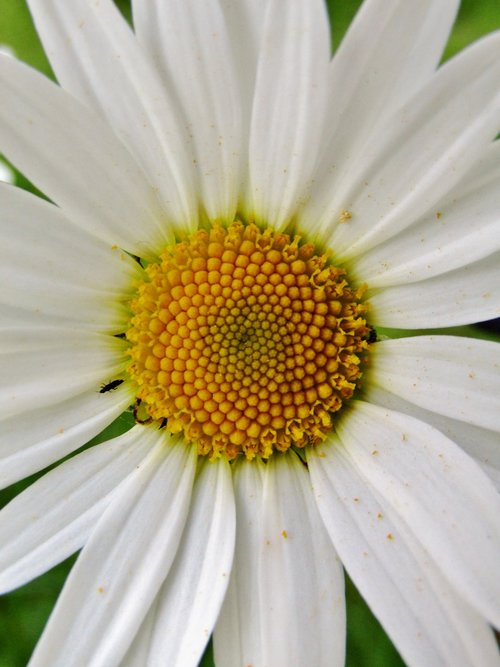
{"x":24,"y":612}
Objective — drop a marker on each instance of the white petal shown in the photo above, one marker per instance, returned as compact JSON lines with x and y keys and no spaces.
{"x":70,"y":154}
{"x":420,"y":153}
{"x":493,"y":473}
{"x":288,"y":108}
{"x":442,"y":496}
{"x":390,"y":50}
{"x":36,"y":438}
{"x":6,"y":173}
{"x":189,"y":601}
{"x":53,"y":517}
{"x":52,"y":268}
{"x":237,"y":636}
{"x":41,"y":367}
{"x":245,"y":23}
{"x":95,"y":57}
{"x":465,"y":229}
{"x":302,"y":603}
{"x":429,"y":623}
{"x":402,"y":44}
{"x":245,"y":26}
{"x":456,"y":377}
{"x":137,"y":655}
{"x":190,"y":45}
{"x":485,"y":170}
{"x":469,"y":294}
{"x":122,"y":566}
{"x":287,"y":581}
{"x":481,"y":444}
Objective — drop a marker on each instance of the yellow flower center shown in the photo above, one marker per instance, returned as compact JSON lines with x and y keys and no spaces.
{"x":246,"y":341}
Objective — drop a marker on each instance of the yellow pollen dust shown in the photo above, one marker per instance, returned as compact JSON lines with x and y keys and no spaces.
{"x":245,"y":341}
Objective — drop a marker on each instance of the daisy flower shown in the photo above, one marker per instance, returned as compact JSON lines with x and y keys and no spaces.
{"x":233,"y":215}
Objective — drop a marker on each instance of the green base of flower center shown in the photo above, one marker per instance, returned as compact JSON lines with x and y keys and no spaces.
{"x":245,"y":341}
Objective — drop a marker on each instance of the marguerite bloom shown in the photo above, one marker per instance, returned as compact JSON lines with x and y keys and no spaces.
{"x":234,"y":215}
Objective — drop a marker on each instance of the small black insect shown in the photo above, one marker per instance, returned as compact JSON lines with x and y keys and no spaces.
{"x":109,"y":386}
{"x":372,"y":336}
